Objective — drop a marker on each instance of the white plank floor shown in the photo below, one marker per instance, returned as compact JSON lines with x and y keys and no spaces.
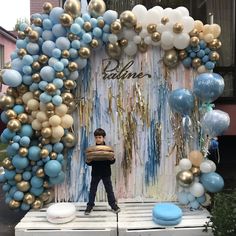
{"x":135,"y":219}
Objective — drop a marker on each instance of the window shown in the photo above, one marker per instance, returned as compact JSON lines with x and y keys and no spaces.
{"x":1,"y":56}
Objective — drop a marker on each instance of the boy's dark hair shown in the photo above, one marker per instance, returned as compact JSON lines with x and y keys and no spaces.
{"x":99,"y":132}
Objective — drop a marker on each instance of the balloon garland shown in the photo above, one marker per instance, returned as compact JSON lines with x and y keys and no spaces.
{"x":39,"y":101}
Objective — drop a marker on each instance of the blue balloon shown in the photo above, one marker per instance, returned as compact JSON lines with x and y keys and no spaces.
{"x":86,"y":16}
{"x":27,"y":60}
{"x":36,"y":191}
{"x":181,"y":101}
{"x":210,"y":65}
{"x":183,"y":198}
{"x":79,"y":20}
{"x":214,"y":144}
{"x":47,"y":24}
{"x":36,"y":182}
{"x":24,"y":207}
{"x":75,"y":44}
{"x":4,"y":117}
{"x":48,"y":47}
{"x":26,"y":130}
{"x":187,"y":62}
{"x":10,"y":174}
{"x":20,"y":162}
{"x":58,"y":147}
{"x":110,"y":16}
{"x":63,"y":43}
{"x":18,"y":195}
{"x":56,"y":52}
{"x":52,"y":168}
{"x":58,"y":179}
{"x":2,"y":178}
{"x":81,"y":63}
{"x":201,"y":199}
{"x":73,"y":53}
{"x":55,"y":14}
{"x":208,"y":86}
{"x":58,"y":66}
{"x":202,"y":44}
{"x":58,"y":30}
{"x":6,"y":187}
{"x":194,"y":205}
{"x":57,"y":100}
{"x":18,"y":109}
{"x":97,"y":32}
{"x":215,"y":123}
{"x":25,"y":141}
{"x":32,"y":48}
{"x":47,"y":73}
{"x":43,"y":85}
{"x":48,"y":35}
{"x":26,"y":175}
{"x":11,"y":77}
{"x":75,"y":28}
{"x":74,"y":75}
{"x":205,"y":59}
{"x":34,"y":153}
{"x":94,"y":22}
{"x":212,"y":182}
{"x":58,"y":83}
{"x":15,"y":146}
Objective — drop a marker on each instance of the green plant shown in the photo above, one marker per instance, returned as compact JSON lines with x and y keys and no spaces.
{"x":223,"y":215}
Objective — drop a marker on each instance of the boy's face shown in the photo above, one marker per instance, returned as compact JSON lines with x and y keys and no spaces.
{"x":99,"y":139}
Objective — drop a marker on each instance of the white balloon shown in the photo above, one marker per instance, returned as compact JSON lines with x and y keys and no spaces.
{"x":181,"y":41}
{"x":156,"y":43}
{"x":140,"y":12}
{"x":143,"y":33}
{"x":167,"y":47}
{"x":205,"y":167}
{"x":129,"y":34}
{"x":188,"y":23}
{"x":130,"y":49}
{"x":137,"y":39}
{"x":185,"y":164}
{"x":112,"y":38}
{"x":169,"y":26}
{"x":213,"y":165}
{"x":175,"y":16}
{"x":153,"y":17}
{"x":160,"y":28}
{"x":184,"y":11}
{"x":167,"y":38}
{"x":197,"y":189}
{"x":148,"y":40}
{"x":167,"y":12}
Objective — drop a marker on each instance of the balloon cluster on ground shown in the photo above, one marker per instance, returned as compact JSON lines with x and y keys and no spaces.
{"x":45,"y":66}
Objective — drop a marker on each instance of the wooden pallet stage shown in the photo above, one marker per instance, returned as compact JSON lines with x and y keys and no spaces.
{"x":135,"y":219}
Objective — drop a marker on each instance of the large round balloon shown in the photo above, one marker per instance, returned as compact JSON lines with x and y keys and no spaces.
{"x":208,"y":86}
{"x":212,"y":182}
{"x":215,"y":122}
{"x":181,"y":101}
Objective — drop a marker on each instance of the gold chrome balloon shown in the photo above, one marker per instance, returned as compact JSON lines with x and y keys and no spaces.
{"x":87,"y":26}
{"x":53,"y":155}
{"x":23,"y":151}
{"x":196,"y":62}
{"x":116,"y":27}
{"x":142,"y":46}
{"x":23,"y":118}
{"x":50,"y":106}
{"x":14,"y":125}
{"x":195,"y":170}
{"x":45,"y":184}
{"x":50,"y":113}
{"x":72,"y":66}
{"x":151,"y":28}
{"x":71,"y":107}
{"x":45,"y":141}
{"x":22,"y":89}
{"x":12,"y":92}
{"x":44,"y":153}
{"x":37,"y":93}
{"x":21,"y":35}
{"x":164,"y":20}
{"x":69,"y":84}
{"x":72,"y":7}
{"x":101,"y":23}
{"x":37,"y":204}
{"x":7,"y":164}
{"x":84,"y":52}
{"x":36,"y":78}
{"x":182,"y":54}
{"x":28,"y":198}
{"x":6,"y":101}
{"x":36,"y":65}
{"x":123,"y":42}
{"x":18,"y":177}
{"x":184,"y":178}
{"x":156,"y":37}
{"x":194,"y":41}
{"x":128,"y":19}
{"x":11,"y":114}
{"x":47,"y":7}
{"x":94,"y":43}
{"x":138,"y":28}
{"x":214,"y":56}
{"x":46,"y":132}
{"x":194,"y":32}
{"x":21,"y":52}
{"x":51,"y":88}
{"x":40,"y":173}
{"x":27,"y":30}
{"x":60,"y":75}
{"x":37,"y":21}
{"x":13,"y":204}
{"x":66,"y":20}
{"x":171,"y":58}
{"x":43,"y":59}
{"x":114,"y":50}
{"x":69,"y":140}
{"x":65,"y":54}
{"x":67,"y":97}
{"x":44,"y":196}
{"x":96,"y":8}
{"x":72,"y":36}
{"x":23,"y":186}
{"x":178,"y":28}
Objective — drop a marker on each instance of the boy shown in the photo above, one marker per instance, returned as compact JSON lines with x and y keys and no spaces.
{"x":101,"y":170}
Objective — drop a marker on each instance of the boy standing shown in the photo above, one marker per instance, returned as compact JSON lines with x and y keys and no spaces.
{"x":101,"y":170}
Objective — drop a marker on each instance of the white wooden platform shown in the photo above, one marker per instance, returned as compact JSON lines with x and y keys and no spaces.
{"x":135,"y":219}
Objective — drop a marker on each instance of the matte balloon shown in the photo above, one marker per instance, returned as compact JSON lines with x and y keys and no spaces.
{"x":212,"y":182}
{"x":181,"y":101}
{"x":185,"y":164}
{"x":208,"y":86}
{"x":196,"y":189}
{"x":196,"y":157}
{"x":215,"y":122}
{"x":11,"y":77}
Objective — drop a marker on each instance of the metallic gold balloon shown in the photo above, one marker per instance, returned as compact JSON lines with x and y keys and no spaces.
{"x":128,"y":19}
{"x":37,"y":204}
{"x":21,"y":52}
{"x":23,"y":151}
{"x":21,"y":35}
{"x":50,"y":113}
{"x":196,"y":62}
{"x":69,"y":140}
{"x":47,"y":7}
{"x":23,"y":186}
{"x":96,"y":8}
{"x":19,"y":101}
{"x":214,"y":56}
{"x":164,"y":20}
{"x":60,"y":75}
{"x":65,"y":54}
{"x":69,"y":84}
{"x":6,"y":101}
{"x":71,"y":107}
{"x":171,"y":58}
{"x":32,"y":163}
{"x":84,"y":52}
{"x":194,"y":32}
{"x":13,"y":204}
{"x":215,"y":44}
{"x":46,"y":132}
{"x":40,"y":173}
{"x":67,"y":97}
{"x":72,"y":7}
{"x":138,"y":28}
{"x":116,"y":27}
{"x":22,"y":89}
{"x":114,"y":50}
{"x":87,"y":26}
{"x":44,"y":153}
{"x":72,"y":66}
{"x":151,"y":28}
{"x":37,"y":21}
{"x":194,"y":41}
{"x":123,"y":42}
{"x":36,"y":65}
{"x":18,"y":177}
{"x":66,"y":20}
{"x":27,"y":30}
{"x":11,"y":114}
{"x":43,"y":59}
{"x":37,"y":93}
{"x":94,"y":43}
{"x":182,"y":54}
{"x":29,"y":198}
{"x":156,"y":37}
{"x":7,"y":65}
{"x":7,"y":164}
{"x":51,"y":196}
{"x":101,"y":23}
{"x":51,"y":88}
{"x":12,"y":92}
{"x":23,"y":118}
{"x":142,"y":46}
{"x":14,"y":125}
{"x":45,"y":184}
{"x":50,"y":106}
{"x":184,"y":178}
{"x":72,"y":36}
{"x":178,"y":28}
{"x":44,"y":196}
{"x":53,"y":155}
{"x":195,"y":170}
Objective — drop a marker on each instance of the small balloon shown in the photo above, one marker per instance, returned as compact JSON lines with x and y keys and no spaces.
{"x":96,"y":8}
{"x":72,"y":7}
{"x":171,"y":58}
{"x":128,"y":19}
{"x":114,"y":50}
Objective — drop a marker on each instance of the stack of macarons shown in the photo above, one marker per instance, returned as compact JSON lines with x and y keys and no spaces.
{"x":99,"y":153}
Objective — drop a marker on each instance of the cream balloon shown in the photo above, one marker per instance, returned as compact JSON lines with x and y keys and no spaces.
{"x":57,"y":132}
{"x":185,"y":164}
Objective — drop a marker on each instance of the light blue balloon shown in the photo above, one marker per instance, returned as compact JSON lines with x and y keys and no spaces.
{"x":194,"y":205}
{"x":60,"y":157}
{"x":2,"y":178}
{"x":20,"y":162}
{"x":201,"y":199}
{"x":48,"y":35}
{"x":63,"y":43}
{"x":56,"y":52}
{"x":25,"y":141}
{"x":181,"y":101}
{"x":47,"y":24}
{"x":47,"y":73}
{"x":26,"y":175}
{"x":43,"y":84}
{"x":81,"y":63}
{"x":110,"y":16}
{"x":58,"y":83}
{"x":12,"y":191}
{"x":205,"y":59}
{"x":196,"y":49}
{"x":201,"y":53}
{"x":87,"y":38}
{"x":36,"y":182}
{"x":208,"y":86}
{"x":8,"y":133}
{"x":212,"y":182}
{"x":27,"y":79}
{"x":6,"y":187}
{"x":52,"y":168}
{"x":48,"y":47}
{"x":75,"y":44}
{"x":58,"y":30}
{"x":26,"y":130}
{"x":18,"y":195}
{"x":57,"y":100}
{"x":79,"y":20}
{"x":210,"y":65}
{"x":10,"y":174}
{"x":24,"y":207}
{"x":106,"y":28}
{"x":202,"y":44}
{"x":215,"y":123}
{"x":18,"y":109}
{"x":52,"y":61}
{"x":27,"y":70}
{"x":36,"y":191}
{"x":37,"y":29}
{"x":11,"y":151}
{"x":58,"y":66}
{"x":32,"y":48}
{"x":4,"y":117}
{"x":86,"y":16}
{"x":58,"y":179}
{"x":27,"y":60}
{"x":75,"y":28}
{"x":21,"y":43}
{"x":94,"y":22}
{"x":34,"y":87}
{"x":48,"y":147}
{"x":74,"y":75}
{"x":73,"y":53}
{"x":183,"y":198}
{"x":14,"y":55}
{"x":23,"y":26}
{"x":64,"y":61}
{"x":105,"y":37}
{"x":11,"y":77}
{"x":187,"y":62}
{"x":58,"y":147}
{"x":55,"y":14}
{"x":191,"y":198}
{"x":15,"y":146}
{"x":97,"y":32}
{"x":40,"y":163}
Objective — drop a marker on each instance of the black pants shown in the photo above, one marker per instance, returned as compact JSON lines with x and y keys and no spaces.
{"x":108,"y":186}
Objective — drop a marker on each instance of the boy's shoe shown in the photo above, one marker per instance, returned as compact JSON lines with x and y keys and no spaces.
{"x":88,"y":210}
{"x":115,"y":209}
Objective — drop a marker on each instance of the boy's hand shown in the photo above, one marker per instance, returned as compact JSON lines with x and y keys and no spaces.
{"x":88,"y":160}
{"x":111,"y":158}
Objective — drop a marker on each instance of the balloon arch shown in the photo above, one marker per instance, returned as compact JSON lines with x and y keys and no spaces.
{"x":44,"y":71}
